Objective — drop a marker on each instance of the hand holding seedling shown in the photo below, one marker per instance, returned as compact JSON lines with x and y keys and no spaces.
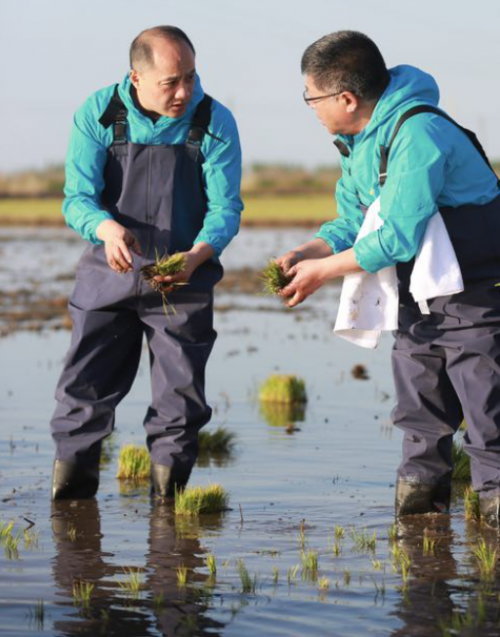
{"x":192,"y":259}
{"x":117,"y":241}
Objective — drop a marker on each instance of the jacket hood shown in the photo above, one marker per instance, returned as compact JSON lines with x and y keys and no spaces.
{"x":407,"y":86}
{"x":164,"y":121}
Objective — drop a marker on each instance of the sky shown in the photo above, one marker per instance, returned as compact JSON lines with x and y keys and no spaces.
{"x":55,"y":53}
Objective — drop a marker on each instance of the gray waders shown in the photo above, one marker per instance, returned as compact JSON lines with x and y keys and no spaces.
{"x":446,"y":364}
{"x":157,"y":192}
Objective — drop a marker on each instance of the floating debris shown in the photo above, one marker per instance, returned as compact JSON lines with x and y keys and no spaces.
{"x":359,"y":372}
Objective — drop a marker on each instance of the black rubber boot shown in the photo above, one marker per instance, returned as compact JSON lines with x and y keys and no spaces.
{"x":74,"y":480}
{"x":166,"y":480}
{"x":417,"y":497}
{"x":490,"y":511}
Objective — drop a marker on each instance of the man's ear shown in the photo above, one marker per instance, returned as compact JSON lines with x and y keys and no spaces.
{"x":351,"y":102}
{"x":134,"y":78}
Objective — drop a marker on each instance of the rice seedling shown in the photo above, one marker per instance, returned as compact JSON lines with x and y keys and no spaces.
{"x":377,"y":565}
{"x":457,"y":623}
{"x":347,"y":577}
{"x":182,"y":576}
{"x":323,"y":583}
{"x":336,"y":548}
{"x":133,"y":463}
{"x":429,"y":544}
{"x":392,"y":533}
{"x":11,"y":544}
{"x":6,"y":529}
{"x":218,"y":442}
{"x":159,"y":601}
{"x":363,"y":541}
{"x":283,"y":388}
{"x":211,"y":565}
{"x":276,"y":574}
{"x":379,"y":588}
{"x":471,"y":504}
{"x":248,"y":585}
{"x":168,"y":265}
{"x":195,"y":501}
{"x":309,"y":561}
{"x":71,"y":533}
{"x":132,"y":585}
{"x":486,"y":557}
{"x":461,"y":464}
{"x":339,"y":532}
{"x":273,"y":278}
{"x":82,"y":592}
{"x":30,"y":539}
{"x":292,"y":574}
{"x":401,"y":562}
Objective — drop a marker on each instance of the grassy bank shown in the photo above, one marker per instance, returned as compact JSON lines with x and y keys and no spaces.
{"x":266,"y":210}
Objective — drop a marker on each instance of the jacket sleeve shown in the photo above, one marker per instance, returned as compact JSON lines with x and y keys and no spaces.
{"x":85,"y":161}
{"x":222,"y":180}
{"x":415,"y":178}
{"x":341,"y":233}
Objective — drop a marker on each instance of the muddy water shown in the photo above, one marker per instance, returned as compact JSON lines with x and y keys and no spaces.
{"x":295,"y":476}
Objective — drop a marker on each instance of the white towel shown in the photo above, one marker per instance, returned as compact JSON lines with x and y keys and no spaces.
{"x":369,"y":303}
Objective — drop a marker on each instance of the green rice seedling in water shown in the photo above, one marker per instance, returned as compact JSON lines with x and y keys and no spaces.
{"x":336,"y":548}
{"x":167,"y":265}
{"x":134,"y":463}
{"x":30,"y":539}
{"x":392,"y":533}
{"x":363,"y":541}
{"x":211,"y":565}
{"x":82,"y":592}
{"x":347,"y":577}
{"x":276,"y":574}
{"x":283,"y":388}
{"x":71,"y":533}
{"x":323,"y":583}
{"x":309,"y":561}
{"x":248,"y":585}
{"x":273,"y":278}
{"x":132,"y":585}
{"x":339,"y":532}
{"x":377,"y":565}
{"x":429,"y":545}
{"x":461,"y":464}
{"x":292,"y":574}
{"x":182,"y":576}
{"x":471,"y":504}
{"x":195,"y":501}
{"x":486,"y":557}
{"x":220,"y":441}
{"x":6,"y":529}
{"x":302,"y":536}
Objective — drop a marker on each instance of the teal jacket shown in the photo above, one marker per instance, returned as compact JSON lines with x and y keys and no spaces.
{"x":432,"y":164}
{"x":87,"y":155}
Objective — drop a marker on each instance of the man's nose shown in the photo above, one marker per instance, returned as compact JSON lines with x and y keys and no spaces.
{"x":183,"y":91}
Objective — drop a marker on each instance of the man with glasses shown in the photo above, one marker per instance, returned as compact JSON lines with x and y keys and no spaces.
{"x":446,"y":364}
{"x":153,"y":168}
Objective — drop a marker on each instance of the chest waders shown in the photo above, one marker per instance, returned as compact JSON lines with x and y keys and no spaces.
{"x":157,"y":192}
{"x":446,"y":365}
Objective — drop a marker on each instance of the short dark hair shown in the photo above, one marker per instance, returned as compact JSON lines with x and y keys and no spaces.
{"x":141,"y":51}
{"x":346,"y":61}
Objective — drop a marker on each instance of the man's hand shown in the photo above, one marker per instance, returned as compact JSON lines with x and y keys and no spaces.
{"x":198,"y":254}
{"x":117,"y":241}
{"x":288,"y":260}
{"x":308,"y":276}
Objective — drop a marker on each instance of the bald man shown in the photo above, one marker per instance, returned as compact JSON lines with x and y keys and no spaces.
{"x":153,"y":167}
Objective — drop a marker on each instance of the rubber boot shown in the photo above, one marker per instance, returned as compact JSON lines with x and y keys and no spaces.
{"x":490,"y":511}
{"x":166,"y":480}
{"x":74,"y":480}
{"x":417,"y":497}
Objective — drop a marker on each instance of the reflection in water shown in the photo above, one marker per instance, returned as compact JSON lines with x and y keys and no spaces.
{"x":282,"y":414}
{"x":161,"y":607}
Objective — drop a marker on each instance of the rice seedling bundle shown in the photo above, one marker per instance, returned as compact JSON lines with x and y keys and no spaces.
{"x":167,"y":265}
{"x":194,"y":501}
{"x":133,"y":463}
{"x":273,"y":278}
{"x":283,"y":388}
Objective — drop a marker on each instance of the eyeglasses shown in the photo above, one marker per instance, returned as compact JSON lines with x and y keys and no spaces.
{"x":308,"y":100}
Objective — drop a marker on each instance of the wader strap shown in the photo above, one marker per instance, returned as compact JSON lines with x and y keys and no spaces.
{"x":116,"y":114}
{"x":199,"y":127}
{"x":425,"y":108}
{"x":342,"y":148}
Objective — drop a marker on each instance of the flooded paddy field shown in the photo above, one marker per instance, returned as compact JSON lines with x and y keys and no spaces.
{"x":308,"y":546}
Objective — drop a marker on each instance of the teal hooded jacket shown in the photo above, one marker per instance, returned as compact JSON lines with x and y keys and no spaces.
{"x":87,"y":156}
{"x":432,"y":164}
